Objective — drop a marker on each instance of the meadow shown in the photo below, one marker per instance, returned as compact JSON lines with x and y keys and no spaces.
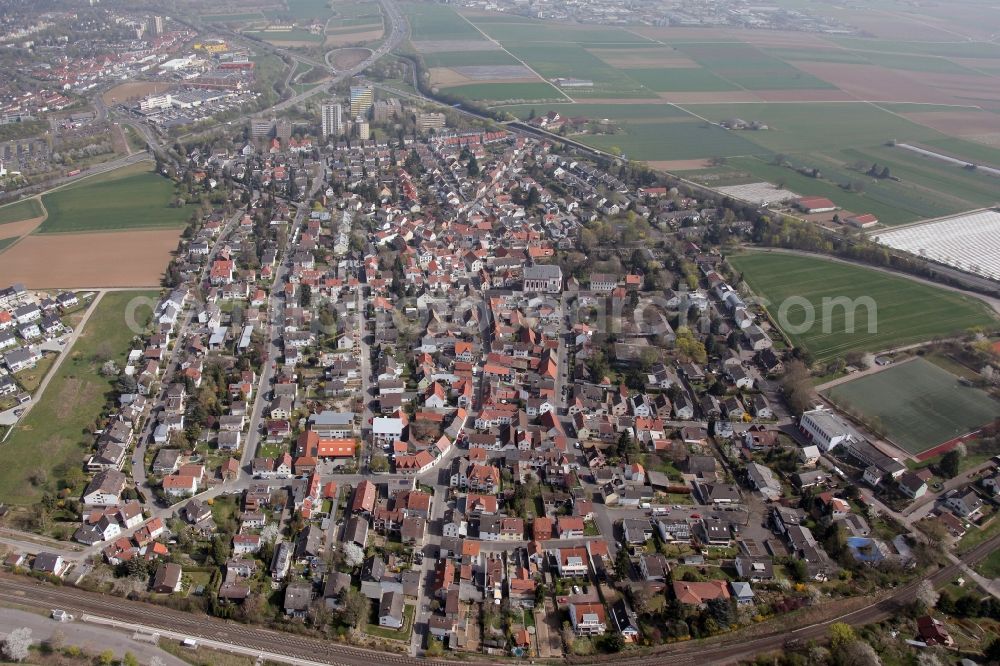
{"x":905,"y":311}
{"x":919,"y":404}
{"x":54,"y":436}
{"x":132,"y":197}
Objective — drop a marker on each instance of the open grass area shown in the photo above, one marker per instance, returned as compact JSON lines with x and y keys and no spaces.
{"x":977,"y":535}
{"x":903,"y":311}
{"x":25,"y":209}
{"x":132,"y":197}
{"x":990,"y":567}
{"x":54,"y":434}
{"x":7,"y":242}
{"x":918,"y":403}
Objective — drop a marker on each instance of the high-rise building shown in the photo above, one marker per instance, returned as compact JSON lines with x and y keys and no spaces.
{"x":157,"y":25}
{"x":332,"y":119}
{"x":364,"y":130}
{"x":362,"y":98}
{"x":386,"y":109}
{"x":283,"y":130}
{"x":429,"y":121}
{"x":260,"y":128}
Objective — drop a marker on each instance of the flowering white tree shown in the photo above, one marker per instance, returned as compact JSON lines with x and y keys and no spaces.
{"x":353,"y":554}
{"x":926,"y":594}
{"x":17,"y":644}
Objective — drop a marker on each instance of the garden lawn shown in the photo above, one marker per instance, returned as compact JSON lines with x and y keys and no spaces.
{"x":54,"y":434}
{"x":132,"y":197}
{"x":919,"y":404}
{"x":905,"y":311}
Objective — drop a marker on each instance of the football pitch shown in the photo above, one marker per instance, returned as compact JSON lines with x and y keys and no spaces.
{"x":887,"y":311}
{"x":919,"y":404}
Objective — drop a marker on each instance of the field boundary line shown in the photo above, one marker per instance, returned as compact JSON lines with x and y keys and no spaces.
{"x":526,"y":65}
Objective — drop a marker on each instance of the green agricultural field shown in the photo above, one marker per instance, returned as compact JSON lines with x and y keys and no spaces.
{"x":438,"y":23}
{"x":572,"y":61}
{"x":818,"y":126}
{"x":53,"y":438}
{"x":676,"y":79}
{"x":505,"y":91}
{"x":919,"y":404}
{"x":944,"y":186}
{"x":132,"y":197}
{"x":818,"y":55}
{"x":671,"y":140}
{"x":904,"y":311}
{"x":893,"y":203}
{"x":469,"y":58}
{"x":953,"y":49}
{"x":284,"y":35}
{"x":25,"y":209}
{"x":967,"y":150}
{"x":309,"y":9}
{"x":555,"y":33}
{"x":597,"y":112}
{"x":751,"y":68}
{"x":231,"y":18}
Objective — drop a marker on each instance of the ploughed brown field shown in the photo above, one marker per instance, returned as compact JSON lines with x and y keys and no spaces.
{"x":347,"y":58}
{"x":100,"y":259}
{"x":132,"y":90}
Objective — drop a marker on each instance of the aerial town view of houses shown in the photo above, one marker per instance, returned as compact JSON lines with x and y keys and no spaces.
{"x":351,"y":373}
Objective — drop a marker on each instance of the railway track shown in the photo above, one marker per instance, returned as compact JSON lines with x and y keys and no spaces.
{"x":728,"y":649}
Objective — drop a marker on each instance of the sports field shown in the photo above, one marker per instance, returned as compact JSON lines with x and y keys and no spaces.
{"x":132,"y":197}
{"x":919,"y":404}
{"x":902,"y":311}
{"x":53,"y":436}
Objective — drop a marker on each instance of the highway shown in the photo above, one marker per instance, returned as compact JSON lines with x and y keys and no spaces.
{"x":720,"y":650}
